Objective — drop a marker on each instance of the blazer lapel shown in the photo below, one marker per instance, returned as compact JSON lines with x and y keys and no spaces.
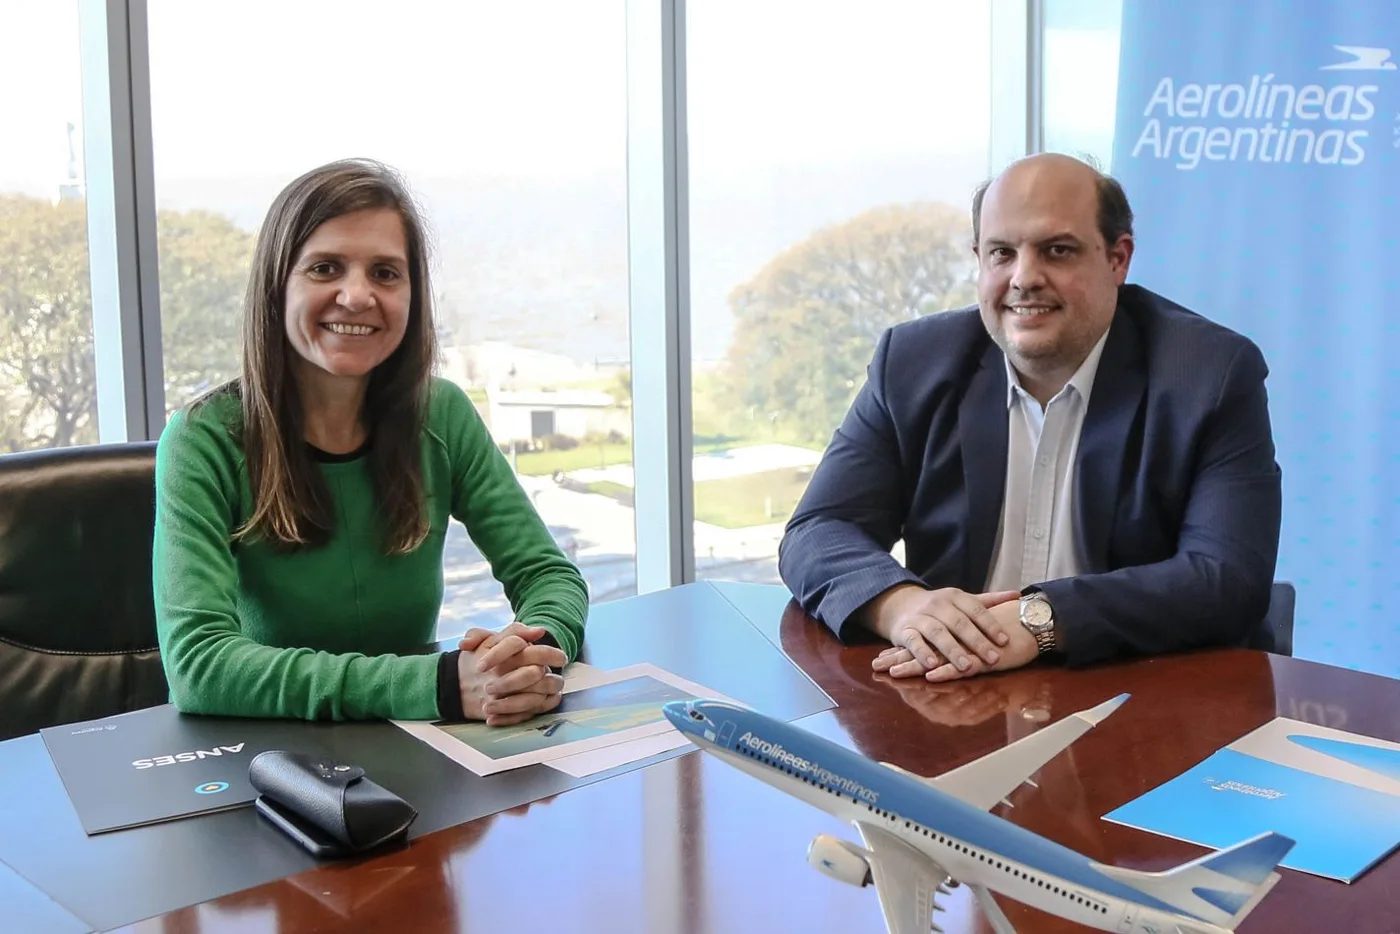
{"x":982,"y":427}
{"x":1113,"y":404}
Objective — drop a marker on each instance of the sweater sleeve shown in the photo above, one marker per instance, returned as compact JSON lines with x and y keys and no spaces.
{"x":212,"y":667}
{"x":543,"y":586}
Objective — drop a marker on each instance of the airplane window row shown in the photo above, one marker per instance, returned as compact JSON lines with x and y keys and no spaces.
{"x":963,"y":848}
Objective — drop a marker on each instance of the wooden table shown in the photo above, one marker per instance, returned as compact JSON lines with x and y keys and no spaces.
{"x":691,"y":845}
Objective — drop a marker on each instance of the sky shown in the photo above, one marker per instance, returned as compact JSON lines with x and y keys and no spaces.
{"x":503,"y":89}
{"x":1081,"y":76}
{"x":38,"y":56}
{"x":510,"y":118}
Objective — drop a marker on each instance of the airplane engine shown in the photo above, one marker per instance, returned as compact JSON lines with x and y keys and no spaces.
{"x":840,"y":860}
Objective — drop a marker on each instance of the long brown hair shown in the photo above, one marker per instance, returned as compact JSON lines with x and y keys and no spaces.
{"x":291,"y":505}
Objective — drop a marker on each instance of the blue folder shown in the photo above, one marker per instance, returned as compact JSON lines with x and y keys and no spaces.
{"x":1336,"y":793}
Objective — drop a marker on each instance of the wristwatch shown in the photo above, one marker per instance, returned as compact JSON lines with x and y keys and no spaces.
{"x":1039,"y":619}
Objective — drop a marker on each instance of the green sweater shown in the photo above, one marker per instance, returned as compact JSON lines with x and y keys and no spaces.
{"x":247,"y":630}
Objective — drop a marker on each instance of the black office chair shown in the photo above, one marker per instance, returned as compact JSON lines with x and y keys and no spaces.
{"x":77,"y":619}
{"x":1278,"y":622}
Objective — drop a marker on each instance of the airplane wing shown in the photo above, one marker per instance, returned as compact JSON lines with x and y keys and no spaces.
{"x":987,"y":781}
{"x":906,"y":881}
{"x":995,"y":916}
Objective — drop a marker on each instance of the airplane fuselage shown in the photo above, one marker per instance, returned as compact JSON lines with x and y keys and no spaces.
{"x":861,"y":790}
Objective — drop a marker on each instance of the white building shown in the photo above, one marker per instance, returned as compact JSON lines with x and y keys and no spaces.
{"x":530,"y":415}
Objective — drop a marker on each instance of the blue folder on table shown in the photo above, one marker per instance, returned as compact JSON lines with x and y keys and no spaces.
{"x":1336,"y":793}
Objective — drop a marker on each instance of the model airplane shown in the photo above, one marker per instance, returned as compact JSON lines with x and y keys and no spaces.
{"x":923,"y":833}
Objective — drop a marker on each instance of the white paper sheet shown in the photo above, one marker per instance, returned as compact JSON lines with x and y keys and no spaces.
{"x":584,"y":764}
{"x":585,"y":723}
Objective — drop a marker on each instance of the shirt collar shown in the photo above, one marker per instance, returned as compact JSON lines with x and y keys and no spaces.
{"x":1082,"y":382}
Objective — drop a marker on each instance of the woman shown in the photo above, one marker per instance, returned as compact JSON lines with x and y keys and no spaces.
{"x":301,"y":510}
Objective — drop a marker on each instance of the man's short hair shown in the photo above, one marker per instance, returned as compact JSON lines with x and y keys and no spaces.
{"x":1115,"y":214}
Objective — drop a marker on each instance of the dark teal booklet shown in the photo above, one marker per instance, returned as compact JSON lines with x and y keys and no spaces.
{"x":1336,"y":793}
{"x":159,"y":764}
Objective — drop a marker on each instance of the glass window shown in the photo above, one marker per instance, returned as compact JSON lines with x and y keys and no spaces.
{"x":834,"y":149}
{"x":509,"y":120}
{"x":48,"y":384}
{"x":1081,"y":77}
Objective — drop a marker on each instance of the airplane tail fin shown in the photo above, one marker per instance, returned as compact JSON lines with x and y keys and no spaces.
{"x":1221,"y":887}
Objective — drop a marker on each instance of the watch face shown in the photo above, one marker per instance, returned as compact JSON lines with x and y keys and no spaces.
{"x":1036,"y":614}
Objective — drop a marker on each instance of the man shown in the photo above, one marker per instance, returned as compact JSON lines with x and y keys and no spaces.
{"x":1077,"y":466}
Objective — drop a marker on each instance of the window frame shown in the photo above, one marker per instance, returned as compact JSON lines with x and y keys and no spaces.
{"x":125,"y":269}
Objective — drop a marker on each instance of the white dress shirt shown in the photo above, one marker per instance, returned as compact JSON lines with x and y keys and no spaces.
{"x":1036,"y":539}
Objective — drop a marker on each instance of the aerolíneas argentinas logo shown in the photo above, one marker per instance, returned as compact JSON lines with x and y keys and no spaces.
{"x":1329,"y":121}
{"x":779,"y":754}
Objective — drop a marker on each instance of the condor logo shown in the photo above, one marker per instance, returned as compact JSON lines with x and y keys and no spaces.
{"x":187,"y":756}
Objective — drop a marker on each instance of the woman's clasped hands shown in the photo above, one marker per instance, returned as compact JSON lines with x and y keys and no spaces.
{"x":506,"y":676}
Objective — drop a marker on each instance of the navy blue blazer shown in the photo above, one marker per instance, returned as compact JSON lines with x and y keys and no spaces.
{"x":1178,"y":495}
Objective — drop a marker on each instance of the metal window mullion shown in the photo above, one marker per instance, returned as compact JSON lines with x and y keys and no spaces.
{"x":147,"y":244}
{"x":1035,"y":75}
{"x":659,"y":293}
{"x":1016,"y":80}
{"x":119,"y":181}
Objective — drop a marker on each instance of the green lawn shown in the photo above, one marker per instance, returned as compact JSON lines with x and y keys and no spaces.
{"x":755,"y":499}
{"x":623,"y":494}
{"x":735,"y":502}
{"x":545,"y":463}
{"x":716,"y":415}
{"x":732,"y":503}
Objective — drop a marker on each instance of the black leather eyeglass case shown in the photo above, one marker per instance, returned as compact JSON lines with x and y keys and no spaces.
{"x":330,"y":808}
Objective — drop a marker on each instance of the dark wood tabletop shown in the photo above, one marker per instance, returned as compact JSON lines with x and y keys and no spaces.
{"x":691,"y":845}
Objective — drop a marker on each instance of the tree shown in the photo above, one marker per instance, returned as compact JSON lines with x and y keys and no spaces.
{"x":807,"y":323}
{"x":46,"y":362}
{"x":204,"y":262}
{"x":47,"y":376}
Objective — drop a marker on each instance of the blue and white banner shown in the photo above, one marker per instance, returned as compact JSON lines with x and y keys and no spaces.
{"x":1259,"y":142}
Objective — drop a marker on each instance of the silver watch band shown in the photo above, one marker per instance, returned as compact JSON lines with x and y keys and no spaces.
{"x":1045,"y":640}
